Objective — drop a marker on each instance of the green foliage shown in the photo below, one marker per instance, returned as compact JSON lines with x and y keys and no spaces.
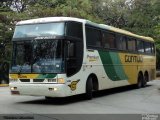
{"x":138,"y":16}
{"x":157,"y":31}
{"x":70,"y":8}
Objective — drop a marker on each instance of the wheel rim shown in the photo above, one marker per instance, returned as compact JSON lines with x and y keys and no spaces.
{"x":139,"y":81}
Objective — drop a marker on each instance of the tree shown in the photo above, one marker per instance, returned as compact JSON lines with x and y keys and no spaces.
{"x":138,"y":16}
{"x":72,"y":8}
{"x":111,"y":11}
{"x":5,"y":21}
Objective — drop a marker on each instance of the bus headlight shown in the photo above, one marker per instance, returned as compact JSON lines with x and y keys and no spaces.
{"x":61,"y":80}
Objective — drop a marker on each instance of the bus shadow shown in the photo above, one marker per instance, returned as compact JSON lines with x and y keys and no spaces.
{"x":117,"y":90}
{"x":57,"y":101}
{"x":81,"y":98}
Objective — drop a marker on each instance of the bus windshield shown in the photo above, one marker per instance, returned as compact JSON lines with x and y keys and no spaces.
{"x":38,"y":56}
{"x":36,"y":30}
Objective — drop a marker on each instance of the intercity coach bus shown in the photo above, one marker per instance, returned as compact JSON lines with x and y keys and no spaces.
{"x":65,"y":56}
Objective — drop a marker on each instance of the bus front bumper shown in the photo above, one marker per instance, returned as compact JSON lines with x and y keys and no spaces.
{"x":49,"y":90}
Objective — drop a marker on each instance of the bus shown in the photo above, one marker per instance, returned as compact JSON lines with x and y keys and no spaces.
{"x":66,"y":56}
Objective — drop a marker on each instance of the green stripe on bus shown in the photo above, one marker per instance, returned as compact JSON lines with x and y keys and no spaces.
{"x":112,"y":65}
{"x":118,"y":66}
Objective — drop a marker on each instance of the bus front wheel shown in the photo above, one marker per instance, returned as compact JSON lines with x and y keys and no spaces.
{"x":48,"y":98}
{"x":89,"y":88}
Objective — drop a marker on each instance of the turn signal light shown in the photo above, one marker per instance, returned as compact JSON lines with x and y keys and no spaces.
{"x":61,"y":80}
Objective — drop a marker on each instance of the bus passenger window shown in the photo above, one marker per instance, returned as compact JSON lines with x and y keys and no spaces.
{"x":148,"y":47}
{"x":121,"y":42}
{"x":140,"y":46}
{"x":131,"y":44}
{"x":109,"y":40}
{"x":93,"y":37}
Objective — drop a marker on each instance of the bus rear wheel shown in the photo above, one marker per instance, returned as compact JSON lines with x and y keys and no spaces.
{"x":140,"y":80}
{"x":144,"y":83}
{"x":89,"y":88}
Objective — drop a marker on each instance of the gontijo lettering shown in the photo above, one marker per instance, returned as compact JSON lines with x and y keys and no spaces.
{"x":131,"y":58}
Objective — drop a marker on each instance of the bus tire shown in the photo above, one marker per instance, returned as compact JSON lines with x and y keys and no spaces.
{"x":5,"y":67}
{"x":144,"y":83}
{"x":89,"y":88}
{"x":48,"y":98}
{"x":4,"y":81}
{"x":139,"y":80}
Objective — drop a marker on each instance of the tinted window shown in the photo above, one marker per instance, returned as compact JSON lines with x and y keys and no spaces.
{"x":74,"y":29}
{"x":131,"y":44}
{"x":93,"y":37}
{"x":121,"y":42}
{"x":109,"y":40}
{"x":148,"y":48}
{"x":71,"y":50}
{"x":140,"y":46}
{"x":36,"y":30}
{"x":153,"y":48}
{"x":74,"y":55}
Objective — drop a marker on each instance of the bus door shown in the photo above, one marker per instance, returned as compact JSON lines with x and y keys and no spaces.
{"x":73,"y":56}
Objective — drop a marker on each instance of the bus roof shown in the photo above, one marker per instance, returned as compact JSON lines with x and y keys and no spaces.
{"x":102,"y":26}
{"x":50,"y":19}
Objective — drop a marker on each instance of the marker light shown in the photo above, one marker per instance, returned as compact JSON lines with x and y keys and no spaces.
{"x":52,"y":89}
{"x":13,"y":88}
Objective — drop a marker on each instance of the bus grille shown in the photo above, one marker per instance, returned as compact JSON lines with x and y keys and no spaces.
{"x":38,"y":80}
{"x":25,"y":80}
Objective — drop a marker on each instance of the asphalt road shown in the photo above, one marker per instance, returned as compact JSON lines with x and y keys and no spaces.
{"x":114,"y":101}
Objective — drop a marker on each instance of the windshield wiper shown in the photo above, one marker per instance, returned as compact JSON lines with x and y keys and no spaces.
{"x":20,"y":69}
